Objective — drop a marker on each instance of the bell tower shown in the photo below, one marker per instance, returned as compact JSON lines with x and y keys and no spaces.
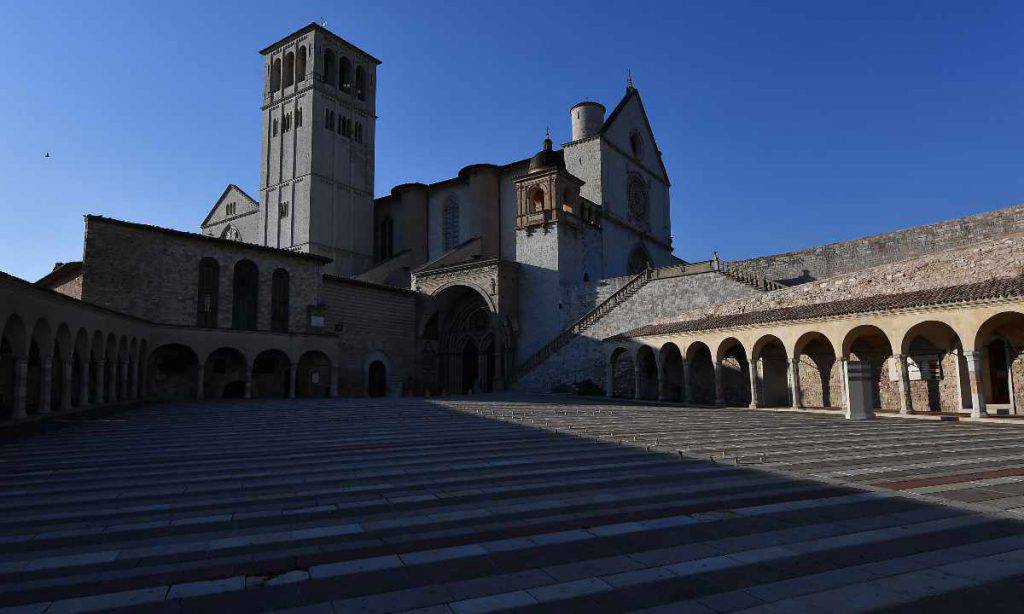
{"x":317,"y":164}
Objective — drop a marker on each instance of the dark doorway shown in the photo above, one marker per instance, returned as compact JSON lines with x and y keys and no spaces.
{"x":234,"y":390}
{"x":998,"y":374}
{"x":377,"y":385}
{"x":470,"y":366}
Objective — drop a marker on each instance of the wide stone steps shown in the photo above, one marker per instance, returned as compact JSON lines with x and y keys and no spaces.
{"x":349,"y":505}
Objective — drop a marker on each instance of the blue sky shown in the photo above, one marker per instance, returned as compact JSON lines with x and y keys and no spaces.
{"x":782,"y":124}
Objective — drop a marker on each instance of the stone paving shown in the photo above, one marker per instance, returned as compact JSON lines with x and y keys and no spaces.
{"x":489,"y":503}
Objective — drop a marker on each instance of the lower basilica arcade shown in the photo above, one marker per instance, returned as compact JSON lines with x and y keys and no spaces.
{"x":949,"y":350}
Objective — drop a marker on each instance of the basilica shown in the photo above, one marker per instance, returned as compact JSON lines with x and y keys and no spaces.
{"x":553,"y":272}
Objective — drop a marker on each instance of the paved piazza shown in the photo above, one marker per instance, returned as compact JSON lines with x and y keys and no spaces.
{"x":493,"y":503}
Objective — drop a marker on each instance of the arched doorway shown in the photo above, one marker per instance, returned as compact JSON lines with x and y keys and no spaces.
{"x":470,"y":367}
{"x":819,"y":372}
{"x":224,"y":375}
{"x":471,"y":343}
{"x":173,"y":373}
{"x":313,"y":376}
{"x":623,"y":375}
{"x":869,"y":344}
{"x":936,"y":367}
{"x":271,"y":375}
{"x":1000,"y":342}
{"x":702,"y":374}
{"x":647,"y":370}
{"x":671,"y":373}
{"x":377,"y":379}
{"x":772,"y":368}
{"x":733,"y":374}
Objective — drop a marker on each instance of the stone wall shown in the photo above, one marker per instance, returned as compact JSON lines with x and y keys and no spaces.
{"x":583,"y":358}
{"x":848,"y":256}
{"x":70,"y":287}
{"x":376,"y":322}
{"x":153,"y":273}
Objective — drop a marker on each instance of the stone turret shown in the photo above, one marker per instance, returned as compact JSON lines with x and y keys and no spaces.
{"x":587,"y":119}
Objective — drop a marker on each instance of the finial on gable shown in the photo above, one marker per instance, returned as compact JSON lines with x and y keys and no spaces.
{"x":547,"y":139}
{"x":629,"y":80}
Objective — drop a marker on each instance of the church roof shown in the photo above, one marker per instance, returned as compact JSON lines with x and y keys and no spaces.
{"x":989,"y":290}
{"x":632,"y":92}
{"x":217,"y":202}
{"x":547,"y":158}
{"x":61,"y":272}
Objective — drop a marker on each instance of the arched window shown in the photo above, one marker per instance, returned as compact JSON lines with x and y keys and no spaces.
{"x":230,"y":232}
{"x":329,"y":66}
{"x":536,"y":200}
{"x":300,"y":66}
{"x":209,"y":284}
{"x":345,"y":75}
{"x":567,"y":200}
{"x":359,"y":132}
{"x":451,"y":223}
{"x":275,"y":75}
{"x":279,"y":301}
{"x":289,"y":69}
{"x":639,"y":261}
{"x":636,"y":144}
{"x":385,"y":239}
{"x":636,"y":194}
{"x":245,"y":295}
{"x":360,"y":83}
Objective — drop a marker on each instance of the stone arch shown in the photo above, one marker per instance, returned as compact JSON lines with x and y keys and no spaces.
{"x":819,"y":372}
{"x":288,"y":70}
{"x":936,"y":367}
{"x":733,"y":379}
{"x":39,"y":368}
{"x":271,"y":374}
{"x":80,"y":359}
{"x":639,"y":260}
{"x":466,"y":312}
{"x":345,"y":75}
{"x":13,"y":364}
{"x":275,"y":75}
{"x":870,"y":344}
{"x":646,"y":373}
{"x":771,"y":372}
{"x":208,"y":290}
{"x":328,"y":72}
{"x":999,"y":342}
{"x":701,"y":383}
{"x":313,"y":375}
{"x":133,"y":368}
{"x":672,"y":378}
{"x":450,"y":223}
{"x":110,"y":369}
{"x":173,"y":372}
{"x":61,"y":377}
{"x":360,"y":83}
{"x":224,"y":374}
{"x":536,"y":199}
{"x":376,"y":371}
{"x":300,"y":64}
{"x":96,"y":357}
{"x":623,"y":374}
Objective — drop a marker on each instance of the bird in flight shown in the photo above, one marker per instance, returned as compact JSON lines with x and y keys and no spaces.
{"x":47,"y":155}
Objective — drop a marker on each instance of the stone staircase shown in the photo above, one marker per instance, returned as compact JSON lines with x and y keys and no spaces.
{"x":360,"y":505}
{"x":626,"y":292}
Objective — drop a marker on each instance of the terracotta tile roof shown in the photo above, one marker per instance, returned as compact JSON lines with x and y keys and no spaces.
{"x":992,"y":289}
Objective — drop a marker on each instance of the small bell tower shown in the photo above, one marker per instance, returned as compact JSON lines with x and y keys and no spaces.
{"x":547,"y":194}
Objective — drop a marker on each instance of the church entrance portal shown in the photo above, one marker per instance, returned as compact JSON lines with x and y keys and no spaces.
{"x":470,"y":344}
{"x":470,"y":367}
{"x":377,"y":384}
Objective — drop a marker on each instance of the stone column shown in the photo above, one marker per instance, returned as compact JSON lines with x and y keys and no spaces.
{"x":247,"y":394}
{"x":958,"y":357}
{"x":906,"y":401}
{"x":45,"y":383}
{"x":687,"y":381}
{"x":499,"y":373}
{"x":292,"y":371}
{"x":755,"y":398}
{"x":100,"y":396}
{"x":123,"y":392}
{"x":114,"y":392}
{"x":719,"y":388}
{"x":20,"y":387}
{"x":977,"y":393}
{"x":65,"y":389}
{"x":662,"y":384}
{"x":794,"y":383}
{"x":845,"y":371}
{"x":83,"y":385}
{"x":860,"y":384}
{"x":636,"y":377}
{"x":133,"y":376}
{"x":200,"y":381}
{"x":609,"y":378}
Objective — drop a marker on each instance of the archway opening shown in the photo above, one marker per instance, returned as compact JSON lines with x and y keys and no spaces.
{"x":702,"y":374}
{"x":224,"y":374}
{"x":470,"y":342}
{"x":772,"y":366}
{"x":173,"y":373}
{"x":819,"y":372}
{"x":623,"y":384}
{"x":671,"y":372}
{"x":377,"y":379}
{"x":870,"y":345}
{"x":313,"y":376}
{"x":1000,"y":341}
{"x":647,"y":370}
{"x":936,"y":368}
{"x":734,"y":373}
{"x":271,"y":375}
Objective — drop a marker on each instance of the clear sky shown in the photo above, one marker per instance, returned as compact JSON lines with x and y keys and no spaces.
{"x":782,"y":124}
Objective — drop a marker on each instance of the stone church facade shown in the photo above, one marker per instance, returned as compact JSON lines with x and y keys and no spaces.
{"x":553,"y":272}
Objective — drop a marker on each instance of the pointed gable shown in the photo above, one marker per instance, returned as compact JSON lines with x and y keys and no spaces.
{"x":232,"y":195}
{"x":627,"y":128}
